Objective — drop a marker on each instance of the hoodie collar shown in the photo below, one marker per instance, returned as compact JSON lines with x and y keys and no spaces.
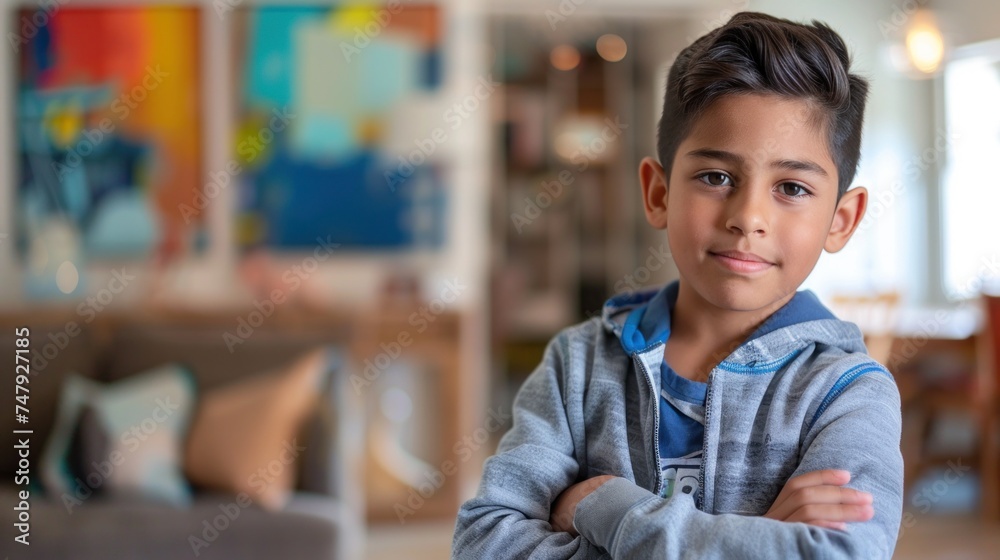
{"x":641,"y":320}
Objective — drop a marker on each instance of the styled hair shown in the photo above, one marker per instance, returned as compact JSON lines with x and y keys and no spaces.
{"x":754,"y":53}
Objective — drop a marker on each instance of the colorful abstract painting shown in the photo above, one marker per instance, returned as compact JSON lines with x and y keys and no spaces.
{"x":109,"y":135}
{"x":324,"y":92}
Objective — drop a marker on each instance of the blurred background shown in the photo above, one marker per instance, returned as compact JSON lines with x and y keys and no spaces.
{"x":278,"y":268}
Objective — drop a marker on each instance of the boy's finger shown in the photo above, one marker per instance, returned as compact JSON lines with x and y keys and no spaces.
{"x":838,"y":525}
{"x":819,"y":495}
{"x":830,"y":495}
{"x":814,"y":478}
{"x":831,"y":512}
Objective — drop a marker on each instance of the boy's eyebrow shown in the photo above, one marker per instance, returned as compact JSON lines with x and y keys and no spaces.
{"x":738,"y":160}
{"x":799,"y":165}
{"x":721,"y":155}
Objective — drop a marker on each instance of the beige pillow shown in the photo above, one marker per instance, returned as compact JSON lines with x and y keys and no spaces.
{"x":244,"y":437}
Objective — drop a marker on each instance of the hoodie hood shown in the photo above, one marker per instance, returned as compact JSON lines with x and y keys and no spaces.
{"x":641,"y":321}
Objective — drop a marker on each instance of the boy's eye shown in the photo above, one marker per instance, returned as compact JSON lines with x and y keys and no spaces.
{"x":715,"y":179}
{"x":793,"y":189}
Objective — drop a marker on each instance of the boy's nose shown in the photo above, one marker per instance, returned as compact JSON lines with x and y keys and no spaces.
{"x":748,"y":211}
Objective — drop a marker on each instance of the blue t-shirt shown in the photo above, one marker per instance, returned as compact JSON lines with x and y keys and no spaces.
{"x":682,"y":401}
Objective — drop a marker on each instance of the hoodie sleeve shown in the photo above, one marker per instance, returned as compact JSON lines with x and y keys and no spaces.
{"x":534,"y":463}
{"x":857,"y":430}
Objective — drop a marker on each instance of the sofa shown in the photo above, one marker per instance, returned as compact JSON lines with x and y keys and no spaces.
{"x":324,"y":518}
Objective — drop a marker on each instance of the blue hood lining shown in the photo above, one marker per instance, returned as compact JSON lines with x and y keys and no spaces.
{"x":639,"y":335}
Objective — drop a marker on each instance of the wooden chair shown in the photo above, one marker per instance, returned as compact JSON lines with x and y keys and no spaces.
{"x":988,"y":358}
{"x":876,"y":316}
{"x":969,"y":391}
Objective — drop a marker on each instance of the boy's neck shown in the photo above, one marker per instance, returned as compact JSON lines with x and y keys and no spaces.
{"x":703,"y":334}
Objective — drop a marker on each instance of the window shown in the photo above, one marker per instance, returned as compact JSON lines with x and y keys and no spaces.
{"x":970,"y":194}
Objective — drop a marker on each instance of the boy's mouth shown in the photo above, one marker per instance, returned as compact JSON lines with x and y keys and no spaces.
{"x":739,"y":261}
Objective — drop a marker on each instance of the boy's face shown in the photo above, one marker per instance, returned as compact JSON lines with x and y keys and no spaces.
{"x":751,"y":201}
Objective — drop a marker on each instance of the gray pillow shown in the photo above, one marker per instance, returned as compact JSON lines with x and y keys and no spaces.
{"x":131,"y":444}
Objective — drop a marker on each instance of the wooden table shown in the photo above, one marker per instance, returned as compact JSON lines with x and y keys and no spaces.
{"x":962,"y":385}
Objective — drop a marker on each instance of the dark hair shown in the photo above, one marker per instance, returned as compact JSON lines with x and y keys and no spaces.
{"x":758,"y":53}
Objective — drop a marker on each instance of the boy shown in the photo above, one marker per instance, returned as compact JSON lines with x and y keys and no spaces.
{"x":725,"y":414}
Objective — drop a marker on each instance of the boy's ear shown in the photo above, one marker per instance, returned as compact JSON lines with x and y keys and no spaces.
{"x":846,"y":218}
{"x":654,"y":192}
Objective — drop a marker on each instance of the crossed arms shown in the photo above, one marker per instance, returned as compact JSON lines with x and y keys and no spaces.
{"x":530,"y":504}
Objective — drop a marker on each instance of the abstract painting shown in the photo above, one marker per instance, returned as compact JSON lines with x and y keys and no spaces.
{"x":109,"y":137}
{"x":325,"y":91}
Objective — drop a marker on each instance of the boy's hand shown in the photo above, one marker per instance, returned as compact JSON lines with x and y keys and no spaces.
{"x":817,"y":498}
{"x":564,"y":508}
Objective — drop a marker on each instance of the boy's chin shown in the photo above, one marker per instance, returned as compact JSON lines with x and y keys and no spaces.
{"x":742,"y":294}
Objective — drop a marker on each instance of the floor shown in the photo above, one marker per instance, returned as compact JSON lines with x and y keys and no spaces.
{"x":948,"y":538}
{"x":926,"y":538}
{"x":423,"y":541}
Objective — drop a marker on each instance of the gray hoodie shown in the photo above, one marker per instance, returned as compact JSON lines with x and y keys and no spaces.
{"x":800,"y":398}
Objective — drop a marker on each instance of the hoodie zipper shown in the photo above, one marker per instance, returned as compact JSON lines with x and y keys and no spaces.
{"x":656,"y":425}
{"x":700,"y":502}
